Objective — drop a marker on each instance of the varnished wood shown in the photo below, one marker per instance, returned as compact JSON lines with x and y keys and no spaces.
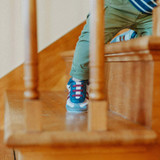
{"x":97,"y":82}
{"x":67,"y":129}
{"x":139,"y":152}
{"x":77,"y":134}
{"x":134,"y":45}
{"x":156,"y":20}
{"x":32,"y":111}
{"x":142,"y":153}
{"x":32,"y":116}
{"x":92,"y":153}
{"x":97,"y":70}
{"x":31,"y":57}
{"x":48,"y":56}
{"x":50,"y":78}
{"x":129,"y":78}
{"x":128,"y":46}
{"x":130,"y":90}
{"x":5,"y":153}
{"x":147,"y":55}
{"x":97,"y":115}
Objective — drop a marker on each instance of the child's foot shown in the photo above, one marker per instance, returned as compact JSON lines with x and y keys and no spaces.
{"x":125,"y":36}
{"x":77,"y":100}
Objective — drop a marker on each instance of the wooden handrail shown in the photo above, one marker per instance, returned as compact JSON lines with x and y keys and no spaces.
{"x":128,"y":46}
{"x":138,"y":44}
{"x":31,"y":57}
{"x":142,"y":43}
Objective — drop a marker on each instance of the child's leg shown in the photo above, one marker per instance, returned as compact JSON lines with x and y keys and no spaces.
{"x":115,"y":20}
{"x":81,"y":56}
{"x":77,"y":100}
{"x":143,"y":25}
{"x":80,"y":69}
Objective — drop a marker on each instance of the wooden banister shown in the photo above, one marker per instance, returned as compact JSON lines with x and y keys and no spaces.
{"x":134,"y":45}
{"x":156,"y":19}
{"x":96,"y":50}
{"x":97,"y":105}
{"x":31,"y":57}
{"x":32,"y":106}
{"x":36,"y":134}
{"x":128,"y":46}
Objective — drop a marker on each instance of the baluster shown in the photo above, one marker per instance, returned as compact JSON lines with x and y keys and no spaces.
{"x":31,"y":57}
{"x":156,"y":20}
{"x":97,"y":104}
{"x":32,"y":105}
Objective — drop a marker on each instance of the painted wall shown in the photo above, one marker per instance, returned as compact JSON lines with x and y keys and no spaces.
{"x":55,"y":18}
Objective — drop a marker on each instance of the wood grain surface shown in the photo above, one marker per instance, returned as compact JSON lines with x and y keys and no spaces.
{"x":54,"y":77}
{"x":31,"y":50}
{"x":130,"y":83}
{"x":92,"y":153}
{"x":5,"y":153}
{"x":98,"y":102}
{"x":60,"y":128}
{"x":51,"y":78}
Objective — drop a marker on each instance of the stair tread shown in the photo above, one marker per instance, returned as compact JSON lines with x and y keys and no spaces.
{"x":62,"y":128}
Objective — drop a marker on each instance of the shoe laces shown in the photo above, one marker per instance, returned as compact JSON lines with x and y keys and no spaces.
{"x":78,"y":89}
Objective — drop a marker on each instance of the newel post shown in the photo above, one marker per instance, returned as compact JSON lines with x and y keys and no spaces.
{"x":32,"y":104}
{"x":97,"y":105}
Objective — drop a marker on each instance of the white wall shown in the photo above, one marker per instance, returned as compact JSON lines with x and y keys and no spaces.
{"x":55,"y":18}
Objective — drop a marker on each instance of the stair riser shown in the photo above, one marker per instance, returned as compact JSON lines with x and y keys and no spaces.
{"x":130,"y":88}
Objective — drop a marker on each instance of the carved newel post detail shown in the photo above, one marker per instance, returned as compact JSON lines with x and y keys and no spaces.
{"x":31,"y":103}
{"x":97,"y":104}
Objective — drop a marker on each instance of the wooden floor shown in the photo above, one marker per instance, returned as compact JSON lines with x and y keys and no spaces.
{"x":5,"y":153}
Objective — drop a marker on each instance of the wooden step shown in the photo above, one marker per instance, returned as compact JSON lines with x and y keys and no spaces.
{"x":60,"y":128}
{"x":129,"y":77}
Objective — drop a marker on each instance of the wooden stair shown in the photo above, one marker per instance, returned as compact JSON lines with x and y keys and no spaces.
{"x":65,"y":134}
{"x":129,"y":79}
{"x":39,"y":128}
{"x":67,"y":129}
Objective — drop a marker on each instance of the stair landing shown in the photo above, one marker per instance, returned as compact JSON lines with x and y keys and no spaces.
{"x":60,"y":128}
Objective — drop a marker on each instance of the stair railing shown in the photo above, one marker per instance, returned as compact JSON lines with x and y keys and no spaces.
{"x":98,"y":103}
{"x":31,"y":56}
{"x":98,"y":99}
{"x":31,"y":95}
